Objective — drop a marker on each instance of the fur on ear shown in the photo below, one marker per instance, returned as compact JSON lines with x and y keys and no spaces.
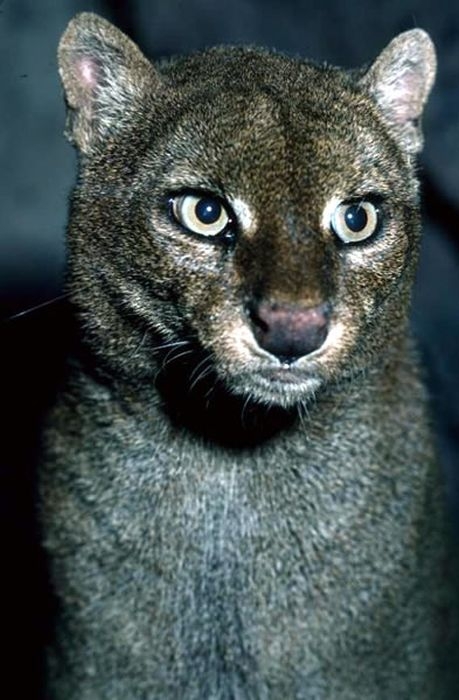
{"x":104,"y":76}
{"x":400,"y":81}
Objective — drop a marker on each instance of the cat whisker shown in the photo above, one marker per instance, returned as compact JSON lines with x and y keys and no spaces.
{"x":198,"y":366}
{"x":244,"y":409}
{"x":164,"y":346}
{"x":171,"y":357}
{"x":303,"y":414}
{"x":37,"y":307}
{"x":201,"y":375}
{"x":172,"y":346}
{"x":208,"y":394}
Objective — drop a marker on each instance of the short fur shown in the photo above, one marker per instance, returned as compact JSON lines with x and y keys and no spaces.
{"x":220,"y":523}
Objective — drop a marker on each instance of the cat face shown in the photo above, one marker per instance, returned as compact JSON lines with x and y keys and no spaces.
{"x":259,"y":210}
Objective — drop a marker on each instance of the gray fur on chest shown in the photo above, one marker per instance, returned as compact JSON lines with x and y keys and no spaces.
{"x":210,"y":572}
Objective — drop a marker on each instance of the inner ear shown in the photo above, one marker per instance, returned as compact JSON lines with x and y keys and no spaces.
{"x":105,"y":77}
{"x":400,"y":81}
{"x":81,"y":75}
{"x":402,"y":96}
{"x":89,"y":73}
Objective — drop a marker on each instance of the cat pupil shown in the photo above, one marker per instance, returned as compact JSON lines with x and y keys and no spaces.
{"x":208,"y":211}
{"x":356,"y":218}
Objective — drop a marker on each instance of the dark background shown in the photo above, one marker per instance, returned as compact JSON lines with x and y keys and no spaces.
{"x":38,"y":168}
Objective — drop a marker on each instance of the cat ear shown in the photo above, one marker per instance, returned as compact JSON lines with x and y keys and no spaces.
{"x":104,"y":76}
{"x":400,"y":81}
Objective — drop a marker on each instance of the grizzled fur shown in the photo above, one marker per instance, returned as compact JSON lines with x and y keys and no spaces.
{"x":222,"y":523}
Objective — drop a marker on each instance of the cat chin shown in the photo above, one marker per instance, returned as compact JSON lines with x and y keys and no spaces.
{"x":277,"y":389}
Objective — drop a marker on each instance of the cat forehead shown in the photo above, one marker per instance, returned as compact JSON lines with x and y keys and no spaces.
{"x":251,"y":91}
{"x":264,"y":114}
{"x":240,"y":123}
{"x":246,"y":70}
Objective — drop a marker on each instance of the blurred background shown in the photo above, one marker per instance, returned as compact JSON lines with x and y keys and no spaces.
{"x":39,"y":168}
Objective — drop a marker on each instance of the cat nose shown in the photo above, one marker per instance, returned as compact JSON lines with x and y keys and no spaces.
{"x":289,"y":331}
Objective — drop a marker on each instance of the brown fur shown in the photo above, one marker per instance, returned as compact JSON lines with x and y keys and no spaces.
{"x":220,"y":523}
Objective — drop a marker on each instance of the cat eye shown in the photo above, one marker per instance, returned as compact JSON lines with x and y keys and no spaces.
{"x":353,"y":222}
{"x":201,"y":213}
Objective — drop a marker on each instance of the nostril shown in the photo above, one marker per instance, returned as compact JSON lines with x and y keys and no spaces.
{"x":257,"y":321}
{"x":289,"y":331}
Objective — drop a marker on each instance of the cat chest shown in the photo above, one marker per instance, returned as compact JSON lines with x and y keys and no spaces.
{"x":213,"y":577}
{"x":219,"y":566}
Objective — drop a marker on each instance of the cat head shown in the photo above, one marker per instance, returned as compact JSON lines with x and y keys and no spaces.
{"x":244,"y":207}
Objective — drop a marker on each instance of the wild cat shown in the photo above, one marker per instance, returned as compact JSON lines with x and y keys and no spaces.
{"x":239,"y":493}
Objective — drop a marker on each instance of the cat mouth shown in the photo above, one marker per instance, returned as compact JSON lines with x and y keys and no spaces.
{"x":281,"y":388}
{"x":286,"y":373}
{"x":285,"y":380}
{"x":285,"y":384}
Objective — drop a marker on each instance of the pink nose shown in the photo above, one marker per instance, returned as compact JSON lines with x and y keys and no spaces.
{"x":289,"y":331}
